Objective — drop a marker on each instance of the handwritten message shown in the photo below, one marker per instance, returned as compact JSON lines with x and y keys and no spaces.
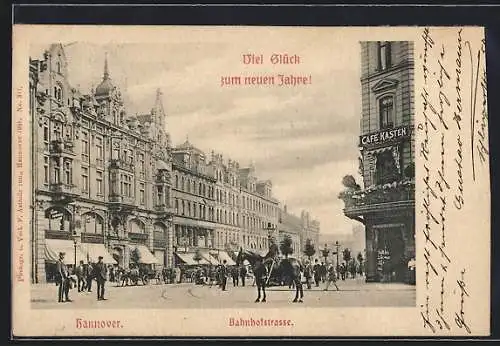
{"x":452,"y":147}
{"x":269,"y":79}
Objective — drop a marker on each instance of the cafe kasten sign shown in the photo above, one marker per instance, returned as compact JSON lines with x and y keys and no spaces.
{"x":384,"y":136}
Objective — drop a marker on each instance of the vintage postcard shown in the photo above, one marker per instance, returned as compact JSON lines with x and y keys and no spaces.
{"x":250,"y":181}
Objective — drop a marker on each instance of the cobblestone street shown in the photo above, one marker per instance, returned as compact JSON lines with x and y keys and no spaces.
{"x":353,"y":293}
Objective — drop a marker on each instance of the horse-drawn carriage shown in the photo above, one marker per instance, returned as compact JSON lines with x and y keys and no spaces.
{"x":139,"y":273}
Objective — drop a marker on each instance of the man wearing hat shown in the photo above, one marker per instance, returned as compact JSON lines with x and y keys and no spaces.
{"x":100,"y":277}
{"x":62,"y":279}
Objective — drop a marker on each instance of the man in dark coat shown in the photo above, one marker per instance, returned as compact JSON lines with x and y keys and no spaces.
{"x":223,"y":275}
{"x":243,"y":274}
{"x":100,"y":277}
{"x":317,"y":273}
{"x":62,"y":280}
{"x":79,"y":272}
{"x":235,"y":274}
{"x":89,"y":276}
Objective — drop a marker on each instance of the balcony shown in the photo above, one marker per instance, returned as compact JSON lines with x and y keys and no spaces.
{"x":164,"y":209}
{"x":121,"y":164}
{"x":400,"y":195}
{"x":121,"y":202}
{"x":93,"y":238}
{"x":57,"y":234}
{"x":64,"y":190}
{"x":138,"y":237}
{"x":60,"y":146}
{"x":160,"y":243}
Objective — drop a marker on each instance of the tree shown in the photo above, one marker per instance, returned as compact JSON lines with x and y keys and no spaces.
{"x":309,"y":249}
{"x":197,"y":256}
{"x":360,"y":258}
{"x":350,"y":183}
{"x":286,"y":246}
{"x":346,"y":255}
{"x":410,"y":171}
{"x":135,"y":256}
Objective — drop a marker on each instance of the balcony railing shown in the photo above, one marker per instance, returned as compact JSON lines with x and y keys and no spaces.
{"x":379,"y":195}
{"x":60,"y":146}
{"x":142,"y":237}
{"x":160,"y":243}
{"x":57,"y":234}
{"x":163,"y":208}
{"x":121,"y":164}
{"x":64,"y":189}
{"x":92,"y":238}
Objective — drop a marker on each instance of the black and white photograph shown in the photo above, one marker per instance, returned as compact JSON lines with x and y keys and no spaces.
{"x":250,"y":181}
{"x":156,"y":187}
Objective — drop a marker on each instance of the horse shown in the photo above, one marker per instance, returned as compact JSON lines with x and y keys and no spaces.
{"x":291,"y":268}
{"x":259,"y":269}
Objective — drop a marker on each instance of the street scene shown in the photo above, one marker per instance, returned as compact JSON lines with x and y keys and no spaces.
{"x":139,"y":203}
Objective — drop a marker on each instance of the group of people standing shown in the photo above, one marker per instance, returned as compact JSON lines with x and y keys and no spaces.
{"x":219,"y":275}
{"x":81,"y":277}
{"x":321,"y":273}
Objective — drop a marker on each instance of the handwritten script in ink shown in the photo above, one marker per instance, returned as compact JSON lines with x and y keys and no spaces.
{"x":452,"y":147}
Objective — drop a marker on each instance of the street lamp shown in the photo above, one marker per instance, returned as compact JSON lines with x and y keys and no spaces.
{"x":337,"y":245}
{"x":75,"y":244}
{"x":325,"y":252}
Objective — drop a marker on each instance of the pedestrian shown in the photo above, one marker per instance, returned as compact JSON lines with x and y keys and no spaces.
{"x":89,"y":275}
{"x":331,"y":278}
{"x":308,"y":271}
{"x":323,"y":272}
{"x":100,"y":277}
{"x":317,"y":272}
{"x":235,"y":275}
{"x":243,"y":274}
{"x":80,"y":276}
{"x":223,"y":275}
{"x":62,"y":279}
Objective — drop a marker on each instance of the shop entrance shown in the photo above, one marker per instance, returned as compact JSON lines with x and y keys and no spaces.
{"x":391,"y":262}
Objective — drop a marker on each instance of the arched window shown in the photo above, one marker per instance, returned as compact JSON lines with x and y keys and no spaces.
{"x":58,"y":219}
{"x":176,"y":181}
{"x":386,"y":111}
{"x":136,"y":226}
{"x":92,"y":223}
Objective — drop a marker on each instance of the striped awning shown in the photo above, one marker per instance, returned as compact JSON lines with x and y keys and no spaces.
{"x":54,"y":246}
{"x":145,"y":256}
{"x":93,"y":251}
{"x":223,"y":255}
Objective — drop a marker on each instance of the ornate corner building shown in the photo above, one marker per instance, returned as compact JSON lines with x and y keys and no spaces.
{"x":101,"y":180}
{"x":386,"y":202}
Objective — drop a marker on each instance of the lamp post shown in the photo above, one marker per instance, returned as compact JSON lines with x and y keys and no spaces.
{"x":75,"y":244}
{"x":325,"y":252}
{"x":337,"y":245}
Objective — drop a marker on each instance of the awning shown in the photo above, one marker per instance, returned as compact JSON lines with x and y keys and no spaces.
{"x":223,"y":255}
{"x":54,"y":246}
{"x":145,"y":256}
{"x":209,"y":258}
{"x":93,"y":251}
{"x":188,"y":258}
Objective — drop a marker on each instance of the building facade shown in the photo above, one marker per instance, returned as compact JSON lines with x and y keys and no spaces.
{"x":105,"y":183}
{"x":290,"y":226}
{"x":101,"y":181}
{"x":385,"y":203}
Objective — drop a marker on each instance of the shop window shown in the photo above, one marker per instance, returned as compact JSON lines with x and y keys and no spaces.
{"x":386,"y":170}
{"x":384,"y":55}
{"x":386,"y":110}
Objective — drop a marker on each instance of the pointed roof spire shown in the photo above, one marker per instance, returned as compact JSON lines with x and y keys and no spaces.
{"x":106,"y":70}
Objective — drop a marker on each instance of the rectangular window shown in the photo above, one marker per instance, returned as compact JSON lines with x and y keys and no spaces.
{"x":384,"y":55}
{"x":386,"y":108}
{"x":99,"y":186}
{"x":45,"y":169}
{"x":85,"y":146}
{"x":99,"y":151}
{"x":141,"y":193}
{"x":141,"y":165}
{"x":85,"y":179}
{"x":46,"y":138}
{"x":67,"y":172}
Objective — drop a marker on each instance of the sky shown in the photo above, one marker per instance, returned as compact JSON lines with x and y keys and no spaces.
{"x":303,"y":138}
